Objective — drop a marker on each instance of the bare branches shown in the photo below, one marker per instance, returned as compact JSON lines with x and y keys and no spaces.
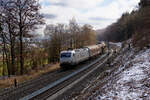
{"x":61,"y":37}
{"x":18,"y":18}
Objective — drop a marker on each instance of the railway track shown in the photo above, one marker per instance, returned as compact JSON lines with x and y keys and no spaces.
{"x":60,"y":86}
{"x":51,"y":83}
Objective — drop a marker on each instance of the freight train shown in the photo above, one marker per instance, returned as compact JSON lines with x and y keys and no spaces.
{"x":76,"y":56}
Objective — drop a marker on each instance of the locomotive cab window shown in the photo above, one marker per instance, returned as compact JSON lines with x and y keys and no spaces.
{"x":65,"y":55}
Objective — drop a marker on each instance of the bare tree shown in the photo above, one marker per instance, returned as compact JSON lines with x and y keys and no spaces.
{"x":56,"y":39}
{"x":27,"y":19}
{"x":74,"y":30}
{"x":20,"y":18}
{"x":8,"y":16}
{"x":61,"y":37}
{"x":6,"y":35}
{"x":88,"y":36}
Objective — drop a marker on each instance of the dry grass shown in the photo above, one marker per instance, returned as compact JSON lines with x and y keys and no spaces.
{"x":4,"y":83}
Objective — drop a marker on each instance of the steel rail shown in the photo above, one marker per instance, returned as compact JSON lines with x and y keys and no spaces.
{"x":54,"y":96}
{"x":42,"y":90}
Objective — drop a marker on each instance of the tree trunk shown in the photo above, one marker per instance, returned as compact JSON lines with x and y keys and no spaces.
{"x":21,"y":43}
{"x":3,"y":62}
{"x":12,"y":59}
{"x":7,"y":60}
{"x":12,"y":52}
{"x":21,"y":53}
{"x":8,"y":65}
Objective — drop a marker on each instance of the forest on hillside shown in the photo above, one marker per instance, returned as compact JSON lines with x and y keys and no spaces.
{"x":135,"y":25}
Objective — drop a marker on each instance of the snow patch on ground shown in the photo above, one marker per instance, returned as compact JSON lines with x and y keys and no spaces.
{"x":133,"y":83}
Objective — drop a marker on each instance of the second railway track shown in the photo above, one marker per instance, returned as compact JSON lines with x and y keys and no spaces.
{"x":58,"y":87}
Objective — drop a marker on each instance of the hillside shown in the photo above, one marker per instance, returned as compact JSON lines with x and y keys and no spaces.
{"x":134,"y":24}
{"x":128,"y":78}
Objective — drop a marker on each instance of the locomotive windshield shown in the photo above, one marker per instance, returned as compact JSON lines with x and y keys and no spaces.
{"x":65,"y":55}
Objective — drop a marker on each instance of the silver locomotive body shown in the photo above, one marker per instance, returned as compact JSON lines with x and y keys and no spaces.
{"x":74,"y":57}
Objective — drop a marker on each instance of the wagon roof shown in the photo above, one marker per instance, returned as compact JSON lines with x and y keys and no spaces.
{"x":92,"y":46}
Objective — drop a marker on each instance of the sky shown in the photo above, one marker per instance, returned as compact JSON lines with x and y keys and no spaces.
{"x":98,"y":13}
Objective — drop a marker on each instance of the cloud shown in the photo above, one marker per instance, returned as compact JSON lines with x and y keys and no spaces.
{"x":98,"y":13}
{"x":106,"y":3}
{"x":50,"y":16}
{"x":100,"y":19}
{"x":59,"y":4}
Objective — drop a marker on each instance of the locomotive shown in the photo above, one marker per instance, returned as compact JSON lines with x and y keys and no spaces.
{"x":76,"y":56}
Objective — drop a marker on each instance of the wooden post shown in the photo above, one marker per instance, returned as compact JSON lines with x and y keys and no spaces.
{"x":15,"y":82}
